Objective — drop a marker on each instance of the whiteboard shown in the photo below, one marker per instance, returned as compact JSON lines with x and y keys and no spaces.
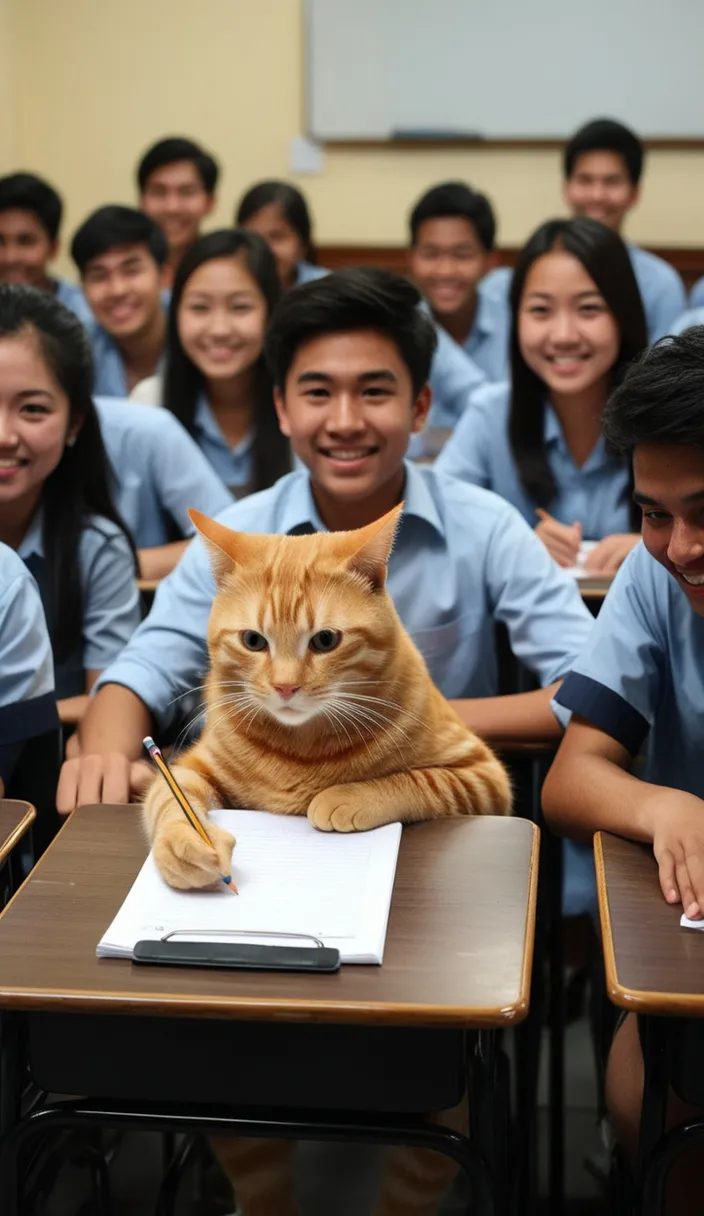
{"x":503,"y":69}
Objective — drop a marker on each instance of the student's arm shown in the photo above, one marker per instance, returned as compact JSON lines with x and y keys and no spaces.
{"x":666,"y":303}
{"x":588,"y":789}
{"x":524,"y":715}
{"x":466,"y":453}
{"x":454,"y":378}
{"x":111,"y":604}
{"x":157,"y":562}
{"x":27,"y":704}
{"x":183,"y":476}
{"x":72,"y":709}
{"x":109,"y":767}
{"x":611,"y":552}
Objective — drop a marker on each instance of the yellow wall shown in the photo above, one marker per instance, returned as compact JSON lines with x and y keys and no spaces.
{"x":92,"y":82}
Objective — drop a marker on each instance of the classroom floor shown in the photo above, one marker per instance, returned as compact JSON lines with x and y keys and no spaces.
{"x":337,"y":1180}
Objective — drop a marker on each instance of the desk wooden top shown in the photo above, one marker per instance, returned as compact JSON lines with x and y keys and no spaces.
{"x":594,"y":588}
{"x":652,"y":964}
{"x":458,"y":952}
{"x":15,"y":819}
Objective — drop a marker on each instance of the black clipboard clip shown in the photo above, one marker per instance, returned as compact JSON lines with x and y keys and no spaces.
{"x":236,"y":956}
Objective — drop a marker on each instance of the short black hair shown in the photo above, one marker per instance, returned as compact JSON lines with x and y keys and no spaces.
{"x":291,"y":202}
{"x":169,"y":152}
{"x":456,"y":199}
{"x":115,"y":225}
{"x":362,"y":297}
{"x":25,"y":192}
{"x":661,"y":397}
{"x":606,"y":135}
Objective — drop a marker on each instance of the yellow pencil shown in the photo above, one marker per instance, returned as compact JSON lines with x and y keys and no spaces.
{"x":157,"y":757}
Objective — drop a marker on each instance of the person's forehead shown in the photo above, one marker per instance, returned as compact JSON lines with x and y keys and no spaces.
{"x":675,"y":470}
{"x":601,"y":161}
{"x":119,"y":253}
{"x":448,"y":229}
{"x":17,"y":219}
{"x":177,"y":173}
{"x":348,"y":354}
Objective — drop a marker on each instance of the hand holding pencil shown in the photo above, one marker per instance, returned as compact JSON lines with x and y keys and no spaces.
{"x":189,"y":855}
{"x":562,"y":541}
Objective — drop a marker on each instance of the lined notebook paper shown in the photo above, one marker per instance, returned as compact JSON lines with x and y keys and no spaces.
{"x":291,"y":879}
{"x":578,"y":571}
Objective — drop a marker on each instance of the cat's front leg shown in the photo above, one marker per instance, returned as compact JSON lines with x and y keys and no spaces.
{"x":183,"y":858}
{"x":422,"y":793}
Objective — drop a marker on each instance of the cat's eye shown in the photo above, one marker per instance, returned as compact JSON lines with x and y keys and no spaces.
{"x":325,"y":640}
{"x":253,"y":640}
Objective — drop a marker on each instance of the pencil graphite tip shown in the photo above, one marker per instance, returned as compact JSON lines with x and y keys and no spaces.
{"x":229,"y":883}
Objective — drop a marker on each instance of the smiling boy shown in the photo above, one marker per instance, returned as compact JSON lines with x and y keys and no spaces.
{"x":120,"y":254}
{"x":177,"y":180}
{"x":640,"y":678}
{"x":350,"y":356}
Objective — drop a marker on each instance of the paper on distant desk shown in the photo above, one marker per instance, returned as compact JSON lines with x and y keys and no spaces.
{"x":291,"y":879}
{"x":578,"y":570}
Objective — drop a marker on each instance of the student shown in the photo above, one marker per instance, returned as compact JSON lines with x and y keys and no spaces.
{"x":27,"y":704}
{"x":215,"y":379}
{"x":577,"y":322}
{"x":120,"y":254}
{"x":693,"y":316}
{"x":603,"y":163}
{"x":177,"y":182}
{"x":30,"y":219}
{"x":696,"y":295}
{"x":350,"y":356}
{"x":640,"y":678}
{"x":158,"y":472}
{"x":55,"y":506}
{"x":452,"y":243}
{"x":278,"y":212}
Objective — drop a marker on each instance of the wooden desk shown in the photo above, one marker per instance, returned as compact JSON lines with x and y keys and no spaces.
{"x":16,"y":818}
{"x":652,"y":965}
{"x":458,"y":952}
{"x":593,"y":590}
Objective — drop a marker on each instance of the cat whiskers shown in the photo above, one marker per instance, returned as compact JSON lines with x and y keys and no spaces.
{"x":372,"y":719}
{"x":393,"y":705}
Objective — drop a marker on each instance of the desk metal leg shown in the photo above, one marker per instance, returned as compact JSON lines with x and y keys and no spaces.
{"x":553,"y":858}
{"x":11,"y":1071}
{"x":289,"y":1125}
{"x":655,"y":1085}
{"x":658,"y":1164}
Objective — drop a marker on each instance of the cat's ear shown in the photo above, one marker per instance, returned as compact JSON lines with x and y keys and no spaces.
{"x":227,"y":548}
{"x":370,"y":557}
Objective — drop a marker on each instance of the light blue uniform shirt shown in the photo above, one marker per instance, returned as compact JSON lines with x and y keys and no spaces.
{"x":71,"y":296}
{"x":234,"y":466}
{"x":111,"y":605}
{"x":454,"y":377}
{"x":640,"y":676}
{"x":463,"y":559}
{"x":693,"y":316}
{"x":597,"y":494}
{"x":487,"y":343}
{"x":159,"y":471}
{"x":109,"y":377}
{"x":27,"y":704}
{"x":661,"y":288}
{"x":306,"y":272}
{"x":696,"y":295}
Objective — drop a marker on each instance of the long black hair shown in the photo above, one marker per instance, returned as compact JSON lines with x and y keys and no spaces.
{"x":80,"y":485}
{"x":605,"y":259}
{"x":183,"y":381}
{"x":292,"y":205}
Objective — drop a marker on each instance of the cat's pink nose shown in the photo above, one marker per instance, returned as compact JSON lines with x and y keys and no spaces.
{"x":286,"y":691}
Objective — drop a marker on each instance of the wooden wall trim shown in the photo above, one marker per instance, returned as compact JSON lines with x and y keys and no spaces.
{"x":689,"y":262}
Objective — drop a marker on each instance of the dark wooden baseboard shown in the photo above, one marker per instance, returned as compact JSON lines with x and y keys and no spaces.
{"x":689,"y":262}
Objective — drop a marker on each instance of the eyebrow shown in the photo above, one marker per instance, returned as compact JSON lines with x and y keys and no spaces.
{"x":381,"y":374}
{"x":644,"y":500}
{"x":36,"y":392}
{"x":581,"y":295}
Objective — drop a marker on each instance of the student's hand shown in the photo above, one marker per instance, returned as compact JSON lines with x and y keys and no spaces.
{"x":85,"y":780}
{"x":607,"y":556}
{"x":678,"y":845}
{"x":562,"y":541}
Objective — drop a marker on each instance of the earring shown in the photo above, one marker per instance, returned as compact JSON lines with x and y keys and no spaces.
{"x":70,"y":442}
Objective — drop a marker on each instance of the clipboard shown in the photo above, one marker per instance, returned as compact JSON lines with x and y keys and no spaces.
{"x":233,"y":955}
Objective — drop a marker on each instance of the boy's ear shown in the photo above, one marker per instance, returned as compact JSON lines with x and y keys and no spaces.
{"x":421,"y":409}
{"x":281,"y":414}
{"x":227,"y":549}
{"x":370,"y":548}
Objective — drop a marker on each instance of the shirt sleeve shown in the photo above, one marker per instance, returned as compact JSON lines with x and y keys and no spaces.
{"x":540,"y":604}
{"x":466,"y":453}
{"x":616,"y":681}
{"x":453,"y":379}
{"x":111,"y":605}
{"x":668,"y":303}
{"x":184,"y":477}
{"x":27,"y":704}
{"x":168,"y":655}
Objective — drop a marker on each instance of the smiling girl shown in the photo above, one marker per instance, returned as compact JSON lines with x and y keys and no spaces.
{"x":216,"y":381}
{"x":577,"y":321}
{"x":278,"y":212}
{"x":55,"y":504}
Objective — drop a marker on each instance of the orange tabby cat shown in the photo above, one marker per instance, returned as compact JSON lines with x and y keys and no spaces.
{"x":317,"y":703}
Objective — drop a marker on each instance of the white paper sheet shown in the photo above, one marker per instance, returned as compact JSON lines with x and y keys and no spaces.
{"x":291,"y":879}
{"x":585,"y":549}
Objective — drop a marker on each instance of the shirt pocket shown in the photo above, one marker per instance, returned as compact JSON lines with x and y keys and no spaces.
{"x":460,"y":654}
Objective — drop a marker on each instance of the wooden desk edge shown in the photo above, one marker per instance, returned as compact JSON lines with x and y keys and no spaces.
{"x":669,"y":1004}
{"x":523,"y":1004}
{"x":8,"y":844}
